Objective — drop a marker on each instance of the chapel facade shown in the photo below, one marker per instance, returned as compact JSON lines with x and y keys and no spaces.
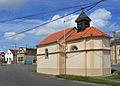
{"x":83,"y":51}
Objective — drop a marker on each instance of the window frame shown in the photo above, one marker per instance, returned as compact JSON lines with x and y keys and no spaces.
{"x":118,"y":51}
{"x":46,"y":53}
{"x":71,"y":48}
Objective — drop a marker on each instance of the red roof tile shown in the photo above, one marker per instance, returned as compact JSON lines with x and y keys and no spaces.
{"x":55,"y":36}
{"x":13,"y":51}
{"x":1,"y":53}
{"x":90,"y":31}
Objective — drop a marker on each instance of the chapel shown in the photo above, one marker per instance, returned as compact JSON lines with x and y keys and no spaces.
{"x":83,"y":50}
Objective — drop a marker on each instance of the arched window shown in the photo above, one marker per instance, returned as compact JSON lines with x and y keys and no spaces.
{"x":46,"y":53}
{"x":74,"y":47}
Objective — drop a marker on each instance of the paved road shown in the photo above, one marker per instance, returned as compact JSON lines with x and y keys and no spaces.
{"x":21,"y":75}
{"x":116,"y":67}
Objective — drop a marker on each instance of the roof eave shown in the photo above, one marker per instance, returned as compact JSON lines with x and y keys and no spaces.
{"x":89,"y":36}
{"x":46,"y":44}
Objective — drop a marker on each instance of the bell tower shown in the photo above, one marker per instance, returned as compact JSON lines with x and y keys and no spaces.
{"x":83,"y":21}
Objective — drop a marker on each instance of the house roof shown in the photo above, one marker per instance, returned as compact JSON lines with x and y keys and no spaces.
{"x":13,"y":51}
{"x":55,"y":36}
{"x":90,"y":31}
{"x":33,"y":49}
{"x":1,"y":53}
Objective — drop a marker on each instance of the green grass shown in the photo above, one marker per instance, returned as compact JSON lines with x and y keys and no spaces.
{"x":88,"y":79}
{"x":33,"y":71}
{"x":114,"y":77}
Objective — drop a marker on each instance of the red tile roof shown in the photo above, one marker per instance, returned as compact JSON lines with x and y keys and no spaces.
{"x":55,"y":36}
{"x":90,"y":31}
{"x":1,"y":53}
{"x":13,"y":51}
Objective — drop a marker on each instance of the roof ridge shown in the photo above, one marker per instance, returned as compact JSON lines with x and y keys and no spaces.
{"x":55,"y":36}
{"x":67,"y":32}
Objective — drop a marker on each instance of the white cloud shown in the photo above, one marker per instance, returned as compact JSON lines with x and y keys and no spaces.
{"x":100,"y":18}
{"x":4,"y":4}
{"x":55,"y":26}
{"x":33,"y":21}
{"x":17,"y":37}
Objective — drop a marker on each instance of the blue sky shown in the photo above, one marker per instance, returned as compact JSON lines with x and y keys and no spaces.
{"x":106,"y":14}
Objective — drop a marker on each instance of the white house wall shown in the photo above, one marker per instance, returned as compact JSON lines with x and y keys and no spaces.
{"x":51,"y":48}
{"x":50,"y":65}
{"x":75,"y":63}
{"x":97,"y":42}
{"x":106,"y":59}
{"x":78,"y":43}
{"x":106,"y":43}
{"x":97,"y":58}
{"x":8,"y":55}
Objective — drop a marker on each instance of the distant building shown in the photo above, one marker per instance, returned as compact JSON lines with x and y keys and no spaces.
{"x":26,"y":55}
{"x":81,"y":51}
{"x":2,"y":56}
{"x":115,"y":42}
{"x":10,"y":56}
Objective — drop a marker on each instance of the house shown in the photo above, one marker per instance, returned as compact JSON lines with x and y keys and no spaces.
{"x":117,"y":54}
{"x":26,"y":55}
{"x":115,"y":48}
{"x":83,"y":51}
{"x":10,"y":56}
{"x":2,"y":56}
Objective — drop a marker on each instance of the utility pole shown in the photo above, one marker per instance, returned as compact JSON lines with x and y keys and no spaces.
{"x":64,"y":49}
{"x":15,"y":53}
{"x":115,"y":43}
{"x":26,"y":54}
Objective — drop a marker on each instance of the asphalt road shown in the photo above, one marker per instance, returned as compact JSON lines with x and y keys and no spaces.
{"x":115,"y":68}
{"x":22,"y":75}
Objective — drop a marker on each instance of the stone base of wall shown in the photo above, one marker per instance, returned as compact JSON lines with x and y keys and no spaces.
{"x":94,"y":72}
{"x":52,"y":71}
{"x":76,"y":71}
{"x":88,"y":72}
{"x":106,"y":71}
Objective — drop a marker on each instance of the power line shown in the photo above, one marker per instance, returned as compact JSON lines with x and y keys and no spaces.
{"x":41,"y":13}
{"x":85,"y":11}
{"x":54,"y":19}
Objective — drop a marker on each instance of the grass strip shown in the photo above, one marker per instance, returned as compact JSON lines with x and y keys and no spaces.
{"x":33,"y":71}
{"x":88,"y":79}
{"x":113,"y":77}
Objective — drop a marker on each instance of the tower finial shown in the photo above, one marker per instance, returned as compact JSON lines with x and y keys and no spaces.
{"x":82,"y":3}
